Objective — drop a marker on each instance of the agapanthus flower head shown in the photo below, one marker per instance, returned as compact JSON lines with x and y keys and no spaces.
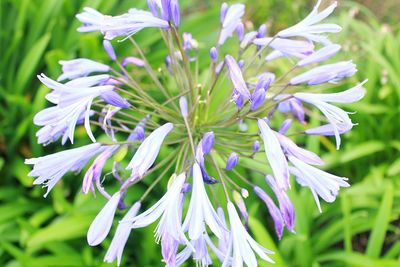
{"x":189,"y":124}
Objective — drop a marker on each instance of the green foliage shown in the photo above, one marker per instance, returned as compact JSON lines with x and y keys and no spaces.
{"x":360,"y":229}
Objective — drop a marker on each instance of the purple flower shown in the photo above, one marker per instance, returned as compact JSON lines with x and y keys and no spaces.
{"x":200,"y":211}
{"x":240,"y":31}
{"x":71,"y":102}
{"x":323,"y":54}
{"x":236,"y":77}
{"x":175,"y":12}
{"x":338,"y":118}
{"x":80,"y":67}
{"x":92,"y":20}
{"x":272,"y":209}
{"x":285,"y":126}
{"x":290,"y":148}
{"x":257,"y":99}
{"x":231,"y":17}
{"x":101,"y":225}
{"x":214,"y":54}
{"x":109,"y":49}
{"x":224,"y":10}
{"x":326,"y":73}
{"x":262,"y":31}
{"x":168,"y":209}
{"x":265,"y":80}
{"x":147,"y":152}
{"x":248,"y":39}
{"x":286,"y":47}
{"x":121,"y":236}
{"x":207,"y":142}
{"x":183,"y":106}
{"x":275,"y":156}
{"x":321,"y":183}
{"x":285,"y":205}
{"x":309,"y":27}
{"x":256,"y":146}
{"x":133,"y":60}
{"x":130,"y":23}
{"x":293,"y":105}
{"x":243,"y":245}
{"x":94,"y":171}
{"x":232,"y":161}
{"x":49,"y":169}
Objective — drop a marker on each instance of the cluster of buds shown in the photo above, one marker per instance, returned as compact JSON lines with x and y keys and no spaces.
{"x":212,"y":126}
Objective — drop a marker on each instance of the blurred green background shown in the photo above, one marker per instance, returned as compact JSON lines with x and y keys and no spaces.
{"x":361,"y":229}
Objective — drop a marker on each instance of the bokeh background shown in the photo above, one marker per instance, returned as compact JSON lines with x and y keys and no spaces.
{"x":361,"y":229}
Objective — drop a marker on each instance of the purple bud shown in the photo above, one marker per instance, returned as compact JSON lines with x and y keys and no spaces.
{"x":272,"y":209}
{"x":240,"y":31}
{"x":238,"y":99}
{"x":207,"y":142}
{"x":133,"y":60}
{"x":241,"y":63}
{"x":214,"y":54}
{"x":207,"y":178}
{"x":109,"y":49}
{"x":224,"y":9}
{"x":175,"y":13}
{"x":262,"y":31}
{"x":186,"y":187}
{"x":115,"y":99}
{"x":166,"y":9}
{"x":168,"y":63}
{"x":257,"y":98}
{"x":285,"y":126}
{"x":232,"y":161}
{"x":320,"y":55}
{"x":152,"y":4}
{"x":218,"y":68}
{"x":184,"y":106}
{"x":101,"y":225}
{"x":265,"y":80}
{"x":256,"y":146}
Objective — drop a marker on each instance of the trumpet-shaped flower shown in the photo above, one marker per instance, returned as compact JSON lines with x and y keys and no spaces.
{"x":338,"y":118}
{"x":326,"y":73}
{"x":244,"y":246}
{"x":231,"y":18}
{"x":121,"y":236}
{"x":310,"y":28}
{"x":236,"y":77}
{"x":168,"y":209}
{"x":323,"y":54}
{"x":101,"y":225}
{"x":275,"y":156}
{"x":286,"y":47}
{"x":80,"y":67}
{"x":49,"y":169}
{"x":148,"y":151}
{"x":321,"y":183}
{"x":201,"y":211}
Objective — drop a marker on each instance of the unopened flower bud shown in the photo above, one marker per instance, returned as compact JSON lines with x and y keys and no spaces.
{"x":183,"y":106}
{"x":232,"y":161}
{"x":208,"y":142}
{"x":214,"y":54}
{"x":109,"y":49}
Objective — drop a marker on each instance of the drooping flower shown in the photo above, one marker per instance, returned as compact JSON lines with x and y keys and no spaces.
{"x":309,"y":27}
{"x":326,"y":73}
{"x":201,"y":211}
{"x":236,"y":77}
{"x":168,"y":209}
{"x":244,"y":246}
{"x":231,"y":17}
{"x":92,"y":20}
{"x":321,"y":183}
{"x":285,"y":205}
{"x":80,"y":67}
{"x":72,"y":103}
{"x":101,"y":225}
{"x":94,"y":171}
{"x":148,"y":151}
{"x":49,"y":169}
{"x":275,"y":156}
{"x":286,"y":47}
{"x":320,"y":55}
{"x":121,"y":236}
{"x":337,"y":118}
{"x":273,"y":210}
